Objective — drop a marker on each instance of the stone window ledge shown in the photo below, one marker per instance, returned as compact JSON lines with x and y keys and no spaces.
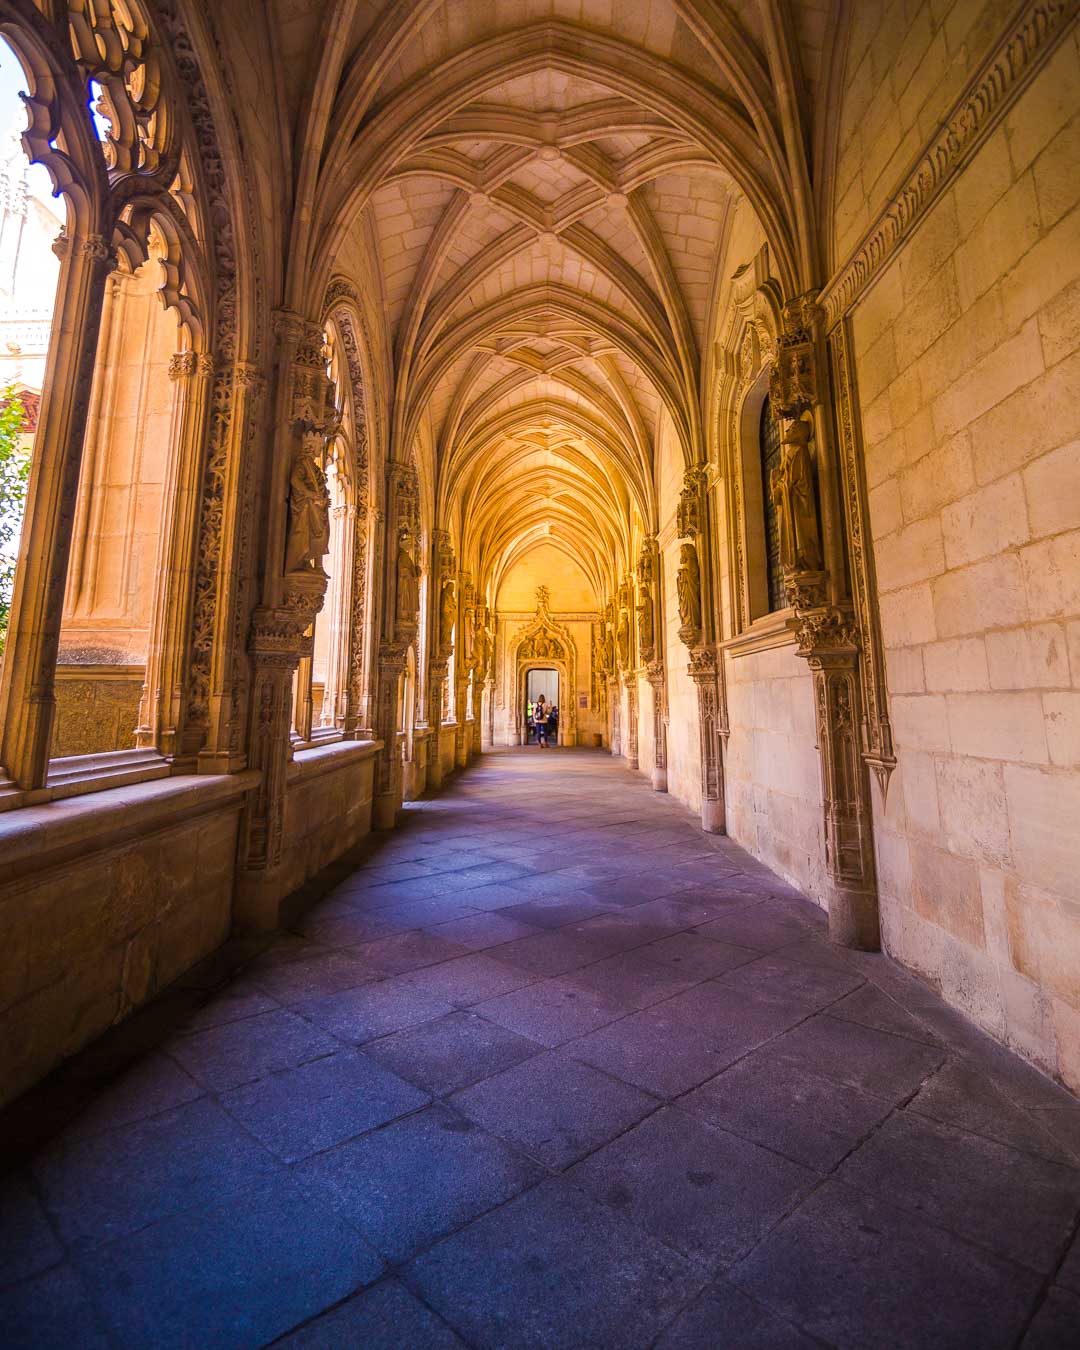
{"x":320,"y":759}
{"x":41,"y":836}
{"x":75,"y":775}
{"x":771,"y":630}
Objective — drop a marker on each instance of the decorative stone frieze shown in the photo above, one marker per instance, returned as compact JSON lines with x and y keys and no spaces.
{"x":1021,"y":51}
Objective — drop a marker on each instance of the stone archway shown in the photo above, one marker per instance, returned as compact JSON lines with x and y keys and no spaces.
{"x":544,"y":645}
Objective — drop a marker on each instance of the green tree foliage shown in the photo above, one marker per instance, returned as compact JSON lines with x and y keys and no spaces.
{"x":14,"y":476}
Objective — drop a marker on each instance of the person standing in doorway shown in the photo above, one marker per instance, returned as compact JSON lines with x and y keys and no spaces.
{"x":540,"y":717}
{"x":553,"y":724}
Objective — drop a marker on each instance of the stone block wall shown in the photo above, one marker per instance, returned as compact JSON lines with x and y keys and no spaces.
{"x":772,"y":772}
{"x":97,"y":709}
{"x":968,"y":356}
{"x":327,"y":808}
{"x":104,"y":901}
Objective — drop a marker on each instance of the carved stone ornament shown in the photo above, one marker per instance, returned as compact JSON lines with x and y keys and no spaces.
{"x":646,"y":624}
{"x":622,"y":638}
{"x":998,"y":81}
{"x":607,"y":662}
{"x":541,"y":647}
{"x":688,"y":514}
{"x":308,"y":539}
{"x":483,"y":648}
{"x":408,"y":585}
{"x":447,"y":615}
{"x":793,"y":382}
{"x":688,"y":585}
{"x":827,"y":633}
{"x":806,"y":590}
{"x":794,"y":496}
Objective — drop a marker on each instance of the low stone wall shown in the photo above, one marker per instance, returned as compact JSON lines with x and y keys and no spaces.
{"x":327,"y":808}
{"x":104,"y":900}
{"x":97,"y":709}
{"x":447,"y":735}
{"x":108,"y":897}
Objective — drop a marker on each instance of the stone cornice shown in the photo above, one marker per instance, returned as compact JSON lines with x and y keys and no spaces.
{"x":1006,"y":72}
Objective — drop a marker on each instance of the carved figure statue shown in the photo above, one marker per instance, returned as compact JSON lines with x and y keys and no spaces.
{"x":688,"y":584}
{"x":792,"y":489}
{"x":482,"y":651}
{"x":308,"y":537}
{"x":608,"y":650}
{"x":646,"y":637}
{"x":622,"y":638}
{"x":447,"y":614}
{"x":408,"y":586}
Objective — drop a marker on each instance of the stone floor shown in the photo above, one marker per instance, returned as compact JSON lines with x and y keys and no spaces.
{"x":552,"y":1068}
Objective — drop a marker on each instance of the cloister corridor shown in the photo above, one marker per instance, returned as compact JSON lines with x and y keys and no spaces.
{"x":547,"y":1066}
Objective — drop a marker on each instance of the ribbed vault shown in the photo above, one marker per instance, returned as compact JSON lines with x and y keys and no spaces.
{"x":548,"y":189}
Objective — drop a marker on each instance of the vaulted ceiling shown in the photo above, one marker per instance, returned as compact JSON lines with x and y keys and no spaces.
{"x":548,"y":187}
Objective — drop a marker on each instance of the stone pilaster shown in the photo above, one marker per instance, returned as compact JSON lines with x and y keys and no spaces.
{"x":816,"y":578}
{"x":659,"y":712}
{"x":703,"y":672}
{"x":388,"y":794}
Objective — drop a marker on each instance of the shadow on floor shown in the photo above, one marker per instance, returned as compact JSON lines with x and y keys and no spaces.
{"x":545,"y":1067}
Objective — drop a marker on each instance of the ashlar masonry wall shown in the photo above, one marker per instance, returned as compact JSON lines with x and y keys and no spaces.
{"x":968,"y":358}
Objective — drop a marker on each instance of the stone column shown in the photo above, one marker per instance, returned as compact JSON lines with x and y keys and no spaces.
{"x":27,"y":700}
{"x":389,"y":770}
{"x":293,"y":593}
{"x":703,"y":673}
{"x":162,"y":706}
{"x":656,"y":681}
{"x":437,"y":674}
{"x":615,"y":707}
{"x":276,"y":646}
{"x":631,"y":685}
{"x":696,"y":627}
{"x":487,"y":715}
{"x":461,"y":726}
{"x":215,"y":717}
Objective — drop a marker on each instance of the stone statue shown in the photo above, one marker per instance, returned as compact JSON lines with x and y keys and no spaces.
{"x":408,"y":586}
{"x":792,"y":489}
{"x":608,"y":650}
{"x":447,"y":614}
{"x":688,"y":583}
{"x":308,"y":537}
{"x":646,"y":636}
{"x":622,"y":639}
{"x":482,"y":650}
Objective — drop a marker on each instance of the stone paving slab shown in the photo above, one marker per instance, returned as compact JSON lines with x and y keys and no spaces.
{"x":620,"y":1093}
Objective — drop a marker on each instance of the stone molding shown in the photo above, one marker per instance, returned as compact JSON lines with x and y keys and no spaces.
{"x":990,"y":93}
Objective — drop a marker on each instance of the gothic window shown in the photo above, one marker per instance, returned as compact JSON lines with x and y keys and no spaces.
{"x":769,"y":451}
{"x":321,"y":683}
{"x":100,"y":588}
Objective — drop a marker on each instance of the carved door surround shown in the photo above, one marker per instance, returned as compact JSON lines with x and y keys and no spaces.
{"x":544,"y":644}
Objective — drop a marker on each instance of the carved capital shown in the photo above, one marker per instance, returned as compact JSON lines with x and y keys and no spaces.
{"x":806,"y":590}
{"x":182,"y":365}
{"x":95,"y":249}
{"x":827,"y":636}
{"x":703,"y":666}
